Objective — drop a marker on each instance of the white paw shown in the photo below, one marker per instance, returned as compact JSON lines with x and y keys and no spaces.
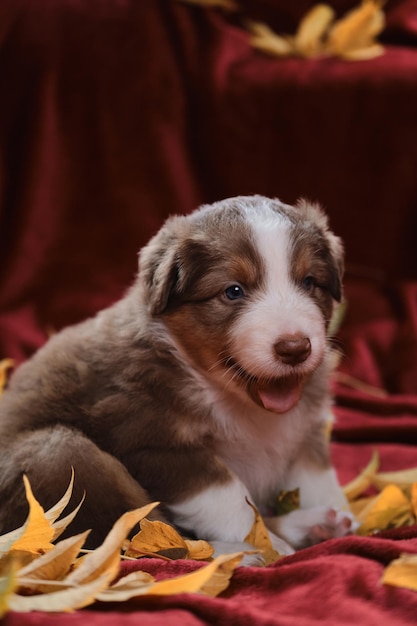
{"x":331,"y":523}
{"x":306,"y":527}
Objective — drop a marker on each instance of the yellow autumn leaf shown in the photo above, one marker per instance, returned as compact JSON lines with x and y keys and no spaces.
{"x":220,"y":577}
{"x":61,"y":525}
{"x":413,"y":496}
{"x":162,"y":539}
{"x":357,"y":506}
{"x":126,"y":587}
{"x":308,"y":40}
{"x":199,"y":549}
{"x":8,"y":584}
{"x":55,"y":511}
{"x":259,"y":538}
{"x":106,"y":558}
{"x":383,"y":511}
{"x":8,"y":539}
{"x":402,"y":572}
{"x":211,"y":579}
{"x":402,"y":479}
{"x":364,"y":480}
{"x":357,"y":29}
{"x":265,"y":39}
{"x":364,"y":54}
{"x":37,"y":531}
{"x":13,"y":540}
{"x":5,"y":365}
{"x":157,"y":538}
{"x":67,"y":599}
{"x":52,"y":566}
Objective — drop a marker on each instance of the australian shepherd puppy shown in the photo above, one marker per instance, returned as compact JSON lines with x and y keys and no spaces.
{"x":206,"y":386}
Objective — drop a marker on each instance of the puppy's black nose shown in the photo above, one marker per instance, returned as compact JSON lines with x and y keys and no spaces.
{"x":293,"y":349}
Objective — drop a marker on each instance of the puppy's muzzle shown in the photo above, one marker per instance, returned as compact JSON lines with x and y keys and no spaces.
{"x":293,"y":349}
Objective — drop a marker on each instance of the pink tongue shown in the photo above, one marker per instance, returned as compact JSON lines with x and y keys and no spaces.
{"x":281,"y":396}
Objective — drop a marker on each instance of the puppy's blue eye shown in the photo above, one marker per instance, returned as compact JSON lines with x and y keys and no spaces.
{"x":234,"y":292}
{"x":308,"y":283}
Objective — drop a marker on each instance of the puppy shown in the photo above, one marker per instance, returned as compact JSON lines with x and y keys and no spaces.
{"x":204,"y":387}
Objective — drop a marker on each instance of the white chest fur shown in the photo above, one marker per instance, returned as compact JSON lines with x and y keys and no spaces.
{"x":257,"y":445}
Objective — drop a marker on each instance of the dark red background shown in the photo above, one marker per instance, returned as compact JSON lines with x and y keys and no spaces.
{"x":116,"y":113}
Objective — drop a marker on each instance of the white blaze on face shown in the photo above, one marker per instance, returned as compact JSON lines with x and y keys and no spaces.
{"x":278,"y":309}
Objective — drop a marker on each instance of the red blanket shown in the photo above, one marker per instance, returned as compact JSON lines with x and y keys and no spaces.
{"x":113,"y":115}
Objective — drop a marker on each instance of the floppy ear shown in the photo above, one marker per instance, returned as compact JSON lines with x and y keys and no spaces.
{"x":336,"y":263}
{"x":159,"y":267}
{"x":313,"y":212}
{"x":171,"y":263}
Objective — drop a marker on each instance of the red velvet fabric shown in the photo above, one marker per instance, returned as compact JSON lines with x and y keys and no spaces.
{"x":114,"y":114}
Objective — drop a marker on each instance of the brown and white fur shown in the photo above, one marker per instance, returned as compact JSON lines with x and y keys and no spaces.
{"x":206,"y":385}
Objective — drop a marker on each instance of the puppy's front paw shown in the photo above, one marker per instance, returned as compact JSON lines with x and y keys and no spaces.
{"x":306,"y":527}
{"x":334,"y":524}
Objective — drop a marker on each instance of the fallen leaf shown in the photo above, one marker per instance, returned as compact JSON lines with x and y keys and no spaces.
{"x":126,"y":587}
{"x":55,"y":511}
{"x":211,"y":579}
{"x":8,"y":584}
{"x":161,"y":539}
{"x":37,"y":531}
{"x":67,"y":599}
{"x":364,"y":480}
{"x":259,"y":538}
{"x":52,"y":566}
{"x":351,"y":37}
{"x":402,"y":572}
{"x":61,"y":525}
{"x":221,"y":575}
{"x":357,"y":506}
{"x":309,"y":37}
{"x":357,"y":30}
{"x":413,"y":495}
{"x":157,"y":538}
{"x":106,"y":558}
{"x":383,"y":511}
{"x":263,"y":38}
{"x":402,"y":479}
{"x":199,"y":549}
{"x":364,"y":54}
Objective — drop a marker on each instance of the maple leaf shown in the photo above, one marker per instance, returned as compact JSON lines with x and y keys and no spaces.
{"x":106,"y":558}
{"x":160,"y":539}
{"x":402,"y":572}
{"x":8,"y":584}
{"x":259,"y":538}
{"x":404,"y":479}
{"x":56,"y":579}
{"x":353,"y":36}
{"x":37,"y":532}
{"x":394,"y":506}
{"x":384,"y":511}
{"x":308,"y":40}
